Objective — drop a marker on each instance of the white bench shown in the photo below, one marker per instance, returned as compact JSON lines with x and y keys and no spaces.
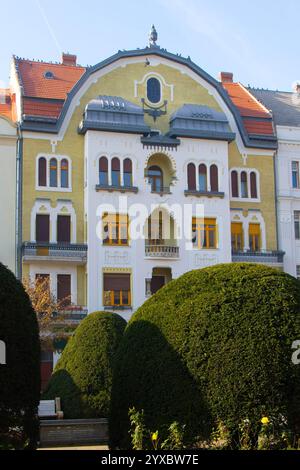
{"x":50,"y":409}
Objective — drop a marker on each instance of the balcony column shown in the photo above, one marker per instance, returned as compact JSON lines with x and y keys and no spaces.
{"x":109,"y":173}
{"x":122,"y":172}
{"x":246,"y":235}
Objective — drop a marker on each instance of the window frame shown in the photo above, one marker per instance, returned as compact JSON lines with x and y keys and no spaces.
{"x":249,"y":172}
{"x":235,"y":235}
{"x":59,"y":187}
{"x":205,"y":226}
{"x":115,"y":224}
{"x":154,"y":103}
{"x":296,"y":162}
{"x":112,"y":294}
{"x":252,"y":235}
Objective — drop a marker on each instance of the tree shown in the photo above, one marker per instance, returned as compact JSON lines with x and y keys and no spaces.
{"x":212,"y":346}
{"x":20,"y":377}
{"x":83,"y":375}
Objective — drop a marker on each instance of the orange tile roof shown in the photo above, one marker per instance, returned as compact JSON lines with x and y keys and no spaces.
{"x":7,"y":104}
{"x":257,"y":119}
{"x":36,"y":85}
{"x":38,"y":107}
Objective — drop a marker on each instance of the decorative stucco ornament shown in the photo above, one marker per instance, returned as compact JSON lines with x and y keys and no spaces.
{"x":153,"y":37}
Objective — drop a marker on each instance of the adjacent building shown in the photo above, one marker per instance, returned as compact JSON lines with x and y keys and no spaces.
{"x":285,"y":107}
{"x":8,"y":158}
{"x":137,"y":170}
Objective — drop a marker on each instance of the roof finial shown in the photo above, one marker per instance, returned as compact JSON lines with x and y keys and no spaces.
{"x":153,"y":37}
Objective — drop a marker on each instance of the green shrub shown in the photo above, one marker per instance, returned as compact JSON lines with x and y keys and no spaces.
{"x":20,"y":377}
{"x":212,"y":346}
{"x":83,"y":375}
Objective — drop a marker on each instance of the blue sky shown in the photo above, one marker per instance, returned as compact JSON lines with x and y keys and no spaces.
{"x":257,"y":40}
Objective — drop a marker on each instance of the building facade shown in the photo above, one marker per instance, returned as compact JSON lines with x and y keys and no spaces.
{"x":285,"y":107}
{"x":138,"y":170}
{"x":8,"y":154}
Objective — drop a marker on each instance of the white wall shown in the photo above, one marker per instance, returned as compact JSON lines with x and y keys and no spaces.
{"x":288,"y":199}
{"x":133,"y":257}
{"x":7,"y":193}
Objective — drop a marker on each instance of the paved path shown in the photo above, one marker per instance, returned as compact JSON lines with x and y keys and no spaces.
{"x":77,"y":448}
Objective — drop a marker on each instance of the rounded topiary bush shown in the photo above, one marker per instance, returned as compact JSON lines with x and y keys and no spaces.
{"x":213,"y":345}
{"x":83,"y":375}
{"x":20,"y":376}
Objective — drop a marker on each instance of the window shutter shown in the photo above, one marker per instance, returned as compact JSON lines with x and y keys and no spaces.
{"x":214,"y":178}
{"x":234,"y":184}
{"x":192,"y":177}
{"x":64,"y":289}
{"x":115,"y":164}
{"x":127,"y":166}
{"x":103,"y":164}
{"x":42,"y":172}
{"x":253,"y":185}
{"x":63,"y":229}
{"x":113,"y":282}
{"x":42,"y":228}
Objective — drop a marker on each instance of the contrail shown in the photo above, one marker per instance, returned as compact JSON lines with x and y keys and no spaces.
{"x":51,"y":31}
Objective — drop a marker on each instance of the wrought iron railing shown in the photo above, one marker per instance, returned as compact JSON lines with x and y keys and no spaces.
{"x":161,"y":251}
{"x":163,"y":190}
{"x":55,"y":250}
{"x":262,"y":256}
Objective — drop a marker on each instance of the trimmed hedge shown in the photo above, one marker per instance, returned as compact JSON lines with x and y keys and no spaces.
{"x":212,"y":345}
{"x":20,"y":377}
{"x":83,"y":375}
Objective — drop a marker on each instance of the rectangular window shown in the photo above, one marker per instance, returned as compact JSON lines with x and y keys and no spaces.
{"x":237,"y":242}
{"x":297,"y":224}
{"x":42,"y":232}
{"x":64,"y":289}
{"x":204,"y":233}
{"x":63,"y":229}
{"x":115,"y":229}
{"x":116,"y":290}
{"x":295,"y":175}
{"x":254,"y":237}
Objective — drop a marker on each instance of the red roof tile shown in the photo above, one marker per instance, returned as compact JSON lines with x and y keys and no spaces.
{"x":47,"y":108}
{"x":249,"y":107}
{"x":35,"y":84}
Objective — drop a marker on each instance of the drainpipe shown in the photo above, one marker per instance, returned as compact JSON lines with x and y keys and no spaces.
{"x":275,"y":160}
{"x":19,"y":200}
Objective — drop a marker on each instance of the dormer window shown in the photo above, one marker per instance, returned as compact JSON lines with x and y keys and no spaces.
{"x":154,"y":90}
{"x":49,"y":75}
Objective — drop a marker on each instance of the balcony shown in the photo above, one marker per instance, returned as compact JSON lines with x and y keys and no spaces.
{"x":120,"y":189}
{"x":68,"y":252}
{"x":210,"y":194}
{"x":274,"y":258}
{"x":161,"y":191}
{"x":73,"y":314}
{"x":161,"y":251}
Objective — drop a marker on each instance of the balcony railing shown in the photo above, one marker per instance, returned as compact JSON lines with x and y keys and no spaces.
{"x":161,"y":191}
{"x":55,"y":251}
{"x":263,"y":257}
{"x":122,"y":189}
{"x":161,"y":251}
{"x":72,"y":314}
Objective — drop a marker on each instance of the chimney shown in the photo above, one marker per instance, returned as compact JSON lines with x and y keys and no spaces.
{"x":69,"y":59}
{"x":226,"y":77}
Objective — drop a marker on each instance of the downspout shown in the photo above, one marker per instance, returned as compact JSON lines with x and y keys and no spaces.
{"x":19,"y":205}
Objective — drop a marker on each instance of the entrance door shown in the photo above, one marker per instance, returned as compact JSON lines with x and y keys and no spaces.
{"x":157,"y":282}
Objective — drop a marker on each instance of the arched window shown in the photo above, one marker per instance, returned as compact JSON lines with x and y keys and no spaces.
{"x":191,"y":176}
{"x":127,"y":173}
{"x":202,"y":178}
{"x":214,"y":178}
{"x":42,"y":172}
{"x":115,"y":172}
{"x":103,"y":171}
{"x":244,"y":184}
{"x":64,"y":173}
{"x":153,"y":90}
{"x":234,"y":184}
{"x":253,"y":185}
{"x":53,"y":173}
{"x":156,"y":179}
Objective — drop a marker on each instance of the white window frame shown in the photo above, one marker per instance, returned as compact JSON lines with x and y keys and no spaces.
{"x":248,"y":171}
{"x":59,"y":159}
